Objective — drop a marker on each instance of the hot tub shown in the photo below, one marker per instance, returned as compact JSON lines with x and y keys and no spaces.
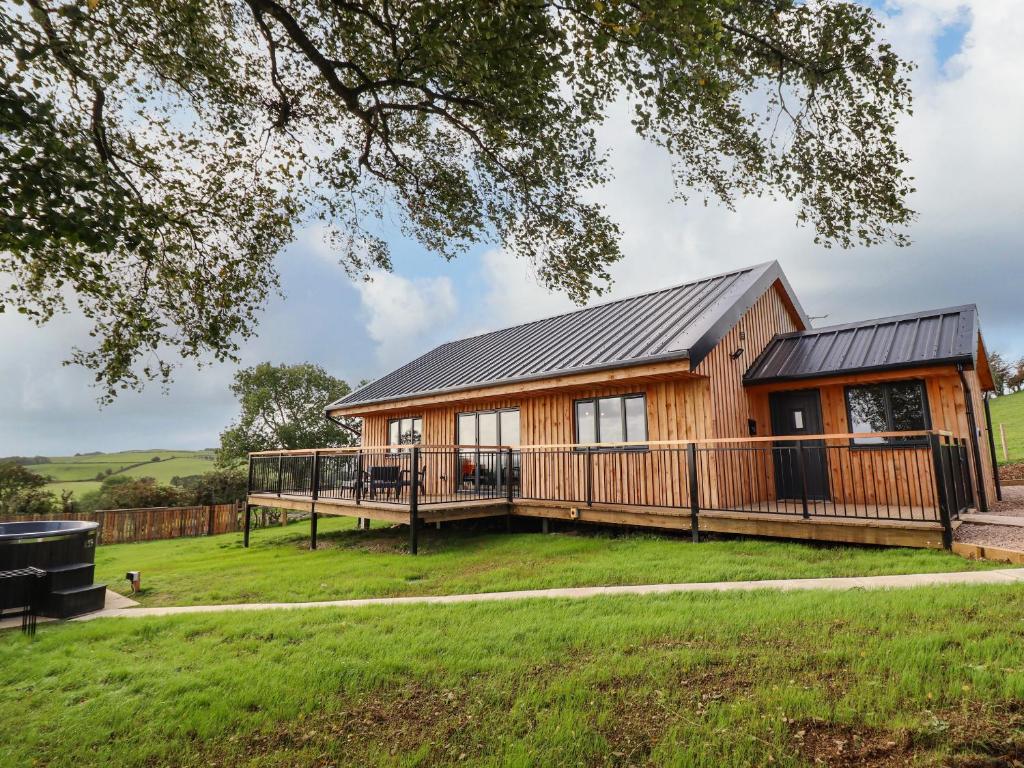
{"x":66,"y":551}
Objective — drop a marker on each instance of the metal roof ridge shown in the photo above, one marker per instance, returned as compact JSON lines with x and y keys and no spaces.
{"x":884,"y":320}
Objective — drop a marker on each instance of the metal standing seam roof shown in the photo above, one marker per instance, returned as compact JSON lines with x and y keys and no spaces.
{"x":924,"y":338}
{"x":683,"y":321}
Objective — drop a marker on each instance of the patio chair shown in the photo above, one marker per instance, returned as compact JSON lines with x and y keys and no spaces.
{"x":387,"y":479}
{"x":421,"y":480}
{"x":350,"y":484}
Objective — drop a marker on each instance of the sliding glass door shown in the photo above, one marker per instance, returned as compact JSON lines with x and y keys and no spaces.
{"x":480,"y":465}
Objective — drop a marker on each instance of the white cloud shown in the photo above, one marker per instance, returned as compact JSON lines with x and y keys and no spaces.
{"x":403,"y":316}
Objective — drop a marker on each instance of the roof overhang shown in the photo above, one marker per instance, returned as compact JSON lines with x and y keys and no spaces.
{"x":877,"y":371}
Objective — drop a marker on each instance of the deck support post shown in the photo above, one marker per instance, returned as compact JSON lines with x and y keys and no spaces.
{"x":801,"y":464}
{"x":414,"y":500}
{"x":691,"y":467}
{"x":544,"y":528}
{"x":992,"y":449}
{"x":315,"y":493}
{"x":942,"y":495}
{"x":245,"y":536}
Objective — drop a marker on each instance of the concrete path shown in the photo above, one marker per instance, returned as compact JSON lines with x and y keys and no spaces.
{"x":111,"y":602}
{"x":1002,"y":576}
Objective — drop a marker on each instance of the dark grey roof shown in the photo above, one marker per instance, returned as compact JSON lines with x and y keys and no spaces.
{"x":924,"y":338}
{"x":684,"y":321}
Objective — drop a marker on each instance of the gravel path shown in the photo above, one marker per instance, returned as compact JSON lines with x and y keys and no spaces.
{"x":1002,"y":536}
{"x":1012,"y":503}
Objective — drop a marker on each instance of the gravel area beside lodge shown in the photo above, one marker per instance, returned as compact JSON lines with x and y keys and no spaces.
{"x":1001,"y":536}
{"x":1012,"y":503}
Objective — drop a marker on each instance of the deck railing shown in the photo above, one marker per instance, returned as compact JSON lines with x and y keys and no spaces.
{"x":906,"y":476}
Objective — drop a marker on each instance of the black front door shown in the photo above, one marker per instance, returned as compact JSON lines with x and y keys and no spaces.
{"x":799,"y":461}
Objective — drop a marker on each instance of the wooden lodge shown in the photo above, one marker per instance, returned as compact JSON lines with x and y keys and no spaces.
{"x":710,"y":406}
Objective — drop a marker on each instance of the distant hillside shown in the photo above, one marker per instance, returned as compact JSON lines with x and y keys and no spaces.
{"x":1008,"y":410}
{"x":85,"y":472}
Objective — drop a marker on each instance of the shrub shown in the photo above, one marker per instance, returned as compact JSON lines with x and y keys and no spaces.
{"x":221,"y":486}
{"x":120,"y":492}
{"x":33,"y":501}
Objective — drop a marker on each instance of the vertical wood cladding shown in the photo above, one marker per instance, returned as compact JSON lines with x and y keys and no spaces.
{"x":730,"y":406}
{"x":872,"y":476}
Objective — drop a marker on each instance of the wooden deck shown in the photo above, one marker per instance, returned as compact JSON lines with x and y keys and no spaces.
{"x":388,"y":511}
{"x":789,"y":523}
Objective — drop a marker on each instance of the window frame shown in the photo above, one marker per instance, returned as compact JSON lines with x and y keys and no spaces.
{"x":890,"y":442}
{"x":463,"y":449}
{"x":642,"y":396}
{"x":396,"y":447}
{"x":476,"y":418}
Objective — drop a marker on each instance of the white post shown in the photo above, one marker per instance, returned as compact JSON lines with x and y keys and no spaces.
{"x":1002,"y":439}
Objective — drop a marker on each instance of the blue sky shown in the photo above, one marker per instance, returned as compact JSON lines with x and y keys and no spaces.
{"x":964,"y":140}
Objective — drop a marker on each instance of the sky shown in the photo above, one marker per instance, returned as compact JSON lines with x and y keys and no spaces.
{"x":967,"y":156}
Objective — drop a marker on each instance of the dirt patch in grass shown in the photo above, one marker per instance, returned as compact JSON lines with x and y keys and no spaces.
{"x":398,"y":722}
{"x":640,"y":718}
{"x":843,"y":746}
{"x":977,"y":737}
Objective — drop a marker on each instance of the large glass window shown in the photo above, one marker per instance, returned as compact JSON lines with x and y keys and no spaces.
{"x":489,"y":428}
{"x":896,"y":406}
{"x":405,"y":431}
{"x":481,"y":467}
{"x":611,"y":420}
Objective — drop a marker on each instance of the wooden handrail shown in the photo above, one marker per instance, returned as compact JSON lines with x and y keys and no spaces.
{"x":635,"y":444}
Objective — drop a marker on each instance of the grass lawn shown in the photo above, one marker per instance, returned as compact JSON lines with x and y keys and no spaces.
{"x":1008,"y":410}
{"x":278,"y":566}
{"x":928,"y":677}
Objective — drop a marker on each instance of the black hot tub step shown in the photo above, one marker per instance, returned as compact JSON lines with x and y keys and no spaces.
{"x":65,"y":603}
{"x":69,"y":576}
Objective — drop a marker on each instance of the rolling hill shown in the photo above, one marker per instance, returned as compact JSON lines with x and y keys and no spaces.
{"x":82,"y":473}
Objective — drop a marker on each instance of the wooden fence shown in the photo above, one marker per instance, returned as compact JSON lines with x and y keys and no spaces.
{"x":119,"y":526}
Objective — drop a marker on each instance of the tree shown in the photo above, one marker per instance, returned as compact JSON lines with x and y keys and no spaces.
{"x":221,"y":486}
{"x":1015,"y":375}
{"x":15,"y":481}
{"x":283,"y":408}
{"x":1001,"y":371}
{"x":157,"y":154}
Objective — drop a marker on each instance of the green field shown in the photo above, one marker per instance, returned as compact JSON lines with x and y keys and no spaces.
{"x":78,"y":473}
{"x":279,"y":566}
{"x":931,"y":676}
{"x":1008,"y":410}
